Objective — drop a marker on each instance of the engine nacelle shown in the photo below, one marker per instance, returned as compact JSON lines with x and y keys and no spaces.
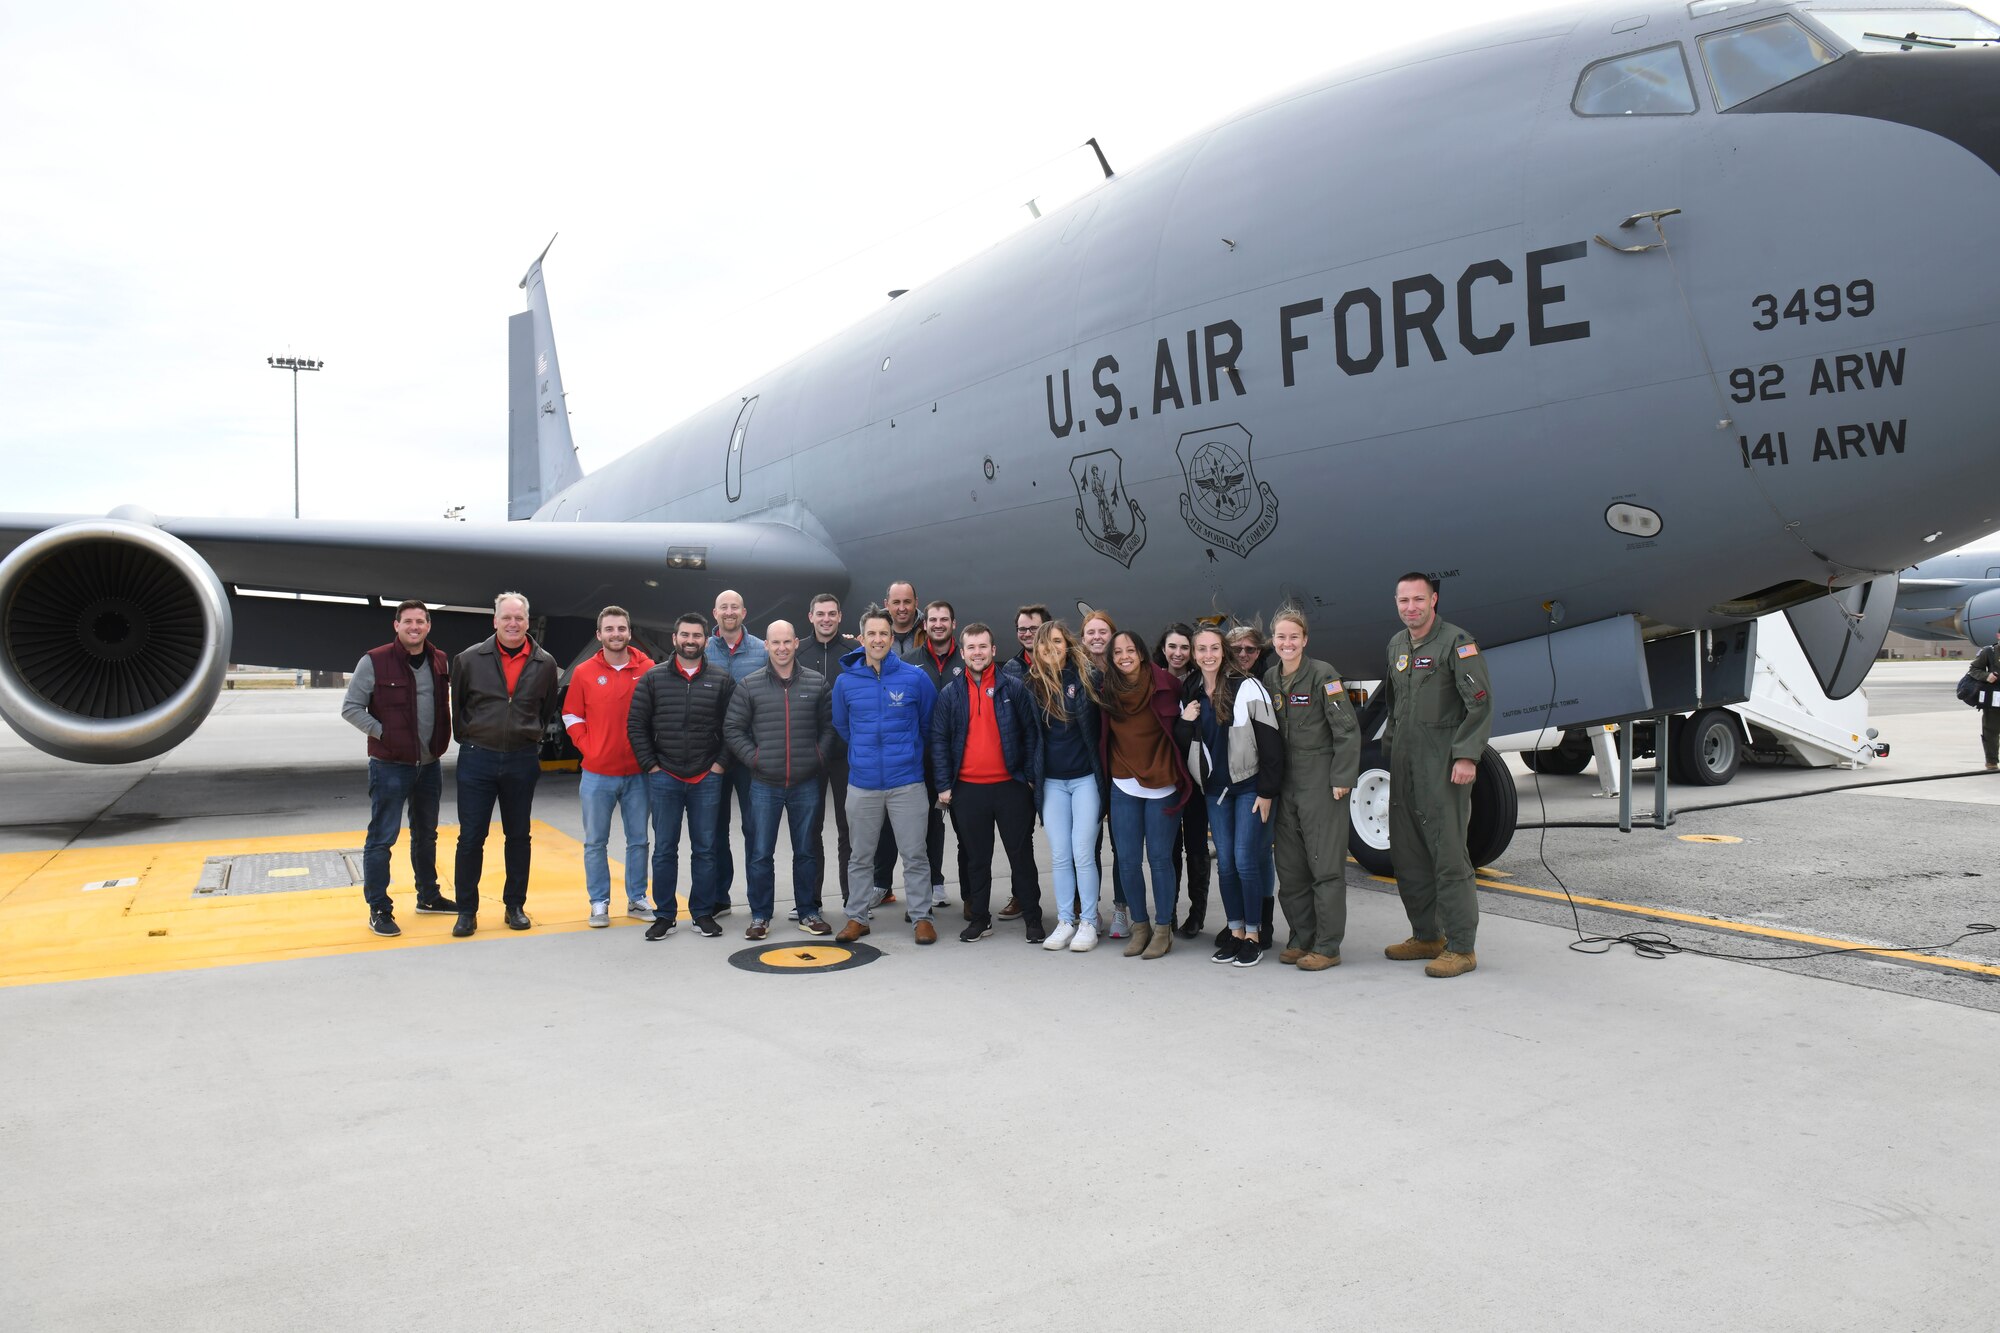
{"x":1981,"y":617}
{"x":114,"y":641}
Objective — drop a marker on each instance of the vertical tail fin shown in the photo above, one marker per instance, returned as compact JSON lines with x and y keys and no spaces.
{"x":541,"y":457}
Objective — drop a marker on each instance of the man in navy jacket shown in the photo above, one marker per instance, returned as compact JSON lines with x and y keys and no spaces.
{"x":983,"y":757}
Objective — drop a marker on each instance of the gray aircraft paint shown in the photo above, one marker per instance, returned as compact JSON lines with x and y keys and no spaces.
{"x":1951,"y":598}
{"x":1529,"y":389}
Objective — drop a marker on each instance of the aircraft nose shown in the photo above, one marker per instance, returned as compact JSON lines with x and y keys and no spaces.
{"x":1953,"y":94}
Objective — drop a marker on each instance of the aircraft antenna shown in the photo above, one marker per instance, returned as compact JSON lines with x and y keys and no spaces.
{"x":1092,"y":141}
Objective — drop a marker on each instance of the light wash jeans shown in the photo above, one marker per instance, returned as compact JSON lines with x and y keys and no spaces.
{"x":598,"y":793}
{"x":1070,"y":810}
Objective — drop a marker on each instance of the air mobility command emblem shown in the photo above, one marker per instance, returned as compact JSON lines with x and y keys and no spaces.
{"x":1109,"y":519}
{"x":1403,"y":662}
{"x":1223,"y":502}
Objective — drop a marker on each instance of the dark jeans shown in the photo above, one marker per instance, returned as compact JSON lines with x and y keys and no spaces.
{"x":833,"y":792}
{"x":701,"y":801}
{"x":978,"y":808}
{"x":737,"y":780}
{"x":392,"y":786}
{"x":1243,"y":853}
{"x":1191,"y":844}
{"x":1989,"y":738}
{"x":487,"y":777}
{"x":1142,"y":835}
{"x":800,"y":802}
{"x":886,"y":855}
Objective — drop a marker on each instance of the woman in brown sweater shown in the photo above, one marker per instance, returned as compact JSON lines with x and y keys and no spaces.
{"x":1149,"y":785}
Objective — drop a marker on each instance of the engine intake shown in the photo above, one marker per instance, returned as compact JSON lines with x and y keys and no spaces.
{"x":114,"y":641}
{"x":1980,"y":617}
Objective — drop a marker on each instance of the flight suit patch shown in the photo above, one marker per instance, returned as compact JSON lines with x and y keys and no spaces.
{"x":1468,"y":650}
{"x":1425,"y":663}
{"x":1403,"y":662}
{"x":1334,"y":687}
{"x":1298,"y":700}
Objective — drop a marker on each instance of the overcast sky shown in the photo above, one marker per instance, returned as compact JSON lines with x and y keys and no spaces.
{"x":188,"y":189}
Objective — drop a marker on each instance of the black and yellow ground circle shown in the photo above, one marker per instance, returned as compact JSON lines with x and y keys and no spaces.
{"x":805,"y":959}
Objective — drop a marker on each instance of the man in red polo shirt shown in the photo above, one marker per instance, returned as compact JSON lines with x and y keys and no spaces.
{"x":594,"y":713}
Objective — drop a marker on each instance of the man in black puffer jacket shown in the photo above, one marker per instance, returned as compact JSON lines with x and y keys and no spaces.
{"x":675,"y":727}
{"x":780,"y":727}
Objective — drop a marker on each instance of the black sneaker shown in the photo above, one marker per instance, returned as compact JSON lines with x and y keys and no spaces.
{"x":705,"y":925}
{"x":977,"y":930}
{"x":1248,"y":953}
{"x":467,"y":923}
{"x":725,"y":909}
{"x":1225,"y":938}
{"x":1226,"y":953}
{"x":663,"y":927}
{"x":517,"y":919}
{"x":1037,"y":932}
{"x":382,"y":923}
{"x":436,"y":903}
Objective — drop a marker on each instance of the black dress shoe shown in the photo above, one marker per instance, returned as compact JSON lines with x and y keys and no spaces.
{"x":467,"y":923}
{"x":436,"y":903}
{"x":517,"y":919}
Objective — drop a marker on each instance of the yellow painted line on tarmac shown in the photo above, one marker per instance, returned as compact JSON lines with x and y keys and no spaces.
{"x":54,"y":929}
{"x":1735,"y":927}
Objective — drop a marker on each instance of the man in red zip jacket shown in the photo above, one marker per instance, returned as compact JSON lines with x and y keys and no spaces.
{"x":779,"y":729}
{"x":595,"y":710}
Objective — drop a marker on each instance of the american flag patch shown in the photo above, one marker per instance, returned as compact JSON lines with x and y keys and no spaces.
{"x":1334,"y":687}
{"x":1468,"y":650}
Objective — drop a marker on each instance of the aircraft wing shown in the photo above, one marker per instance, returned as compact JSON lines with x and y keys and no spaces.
{"x":349,"y":573}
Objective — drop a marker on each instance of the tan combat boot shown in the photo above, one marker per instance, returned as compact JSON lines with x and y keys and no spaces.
{"x":1318,"y":962}
{"x":1142,"y":935}
{"x":1414,"y":950}
{"x":1449,"y":964}
{"x":1163,"y":940}
{"x":1289,"y":955}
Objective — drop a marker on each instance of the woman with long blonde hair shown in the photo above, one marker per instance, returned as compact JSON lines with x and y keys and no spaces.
{"x":1059,"y":680}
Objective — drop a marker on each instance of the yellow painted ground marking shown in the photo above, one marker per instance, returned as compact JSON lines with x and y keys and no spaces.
{"x":50,"y":932}
{"x":1738,"y":927}
{"x":1708,"y":837}
{"x":804,"y":955}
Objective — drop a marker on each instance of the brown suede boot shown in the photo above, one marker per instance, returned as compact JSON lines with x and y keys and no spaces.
{"x":1449,"y":964}
{"x":1290,"y":955}
{"x":1414,"y":950}
{"x":1163,"y":940}
{"x":1318,"y":962}
{"x":1142,"y":935}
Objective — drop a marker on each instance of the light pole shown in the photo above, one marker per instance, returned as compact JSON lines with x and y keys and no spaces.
{"x":294,"y":364}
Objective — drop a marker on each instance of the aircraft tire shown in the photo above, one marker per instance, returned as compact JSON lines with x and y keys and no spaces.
{"x":1563,"y":761}
{"x":1495,"y":811}
{"x":1707,"y":748}
{"x":1496,"y":808}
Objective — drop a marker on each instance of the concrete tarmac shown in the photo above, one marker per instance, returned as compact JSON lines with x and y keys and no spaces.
{"x":575,"y":1128}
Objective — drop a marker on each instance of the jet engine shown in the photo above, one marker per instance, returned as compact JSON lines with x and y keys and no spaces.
{"x":1980,"y":616}
{"x":114,"y":639}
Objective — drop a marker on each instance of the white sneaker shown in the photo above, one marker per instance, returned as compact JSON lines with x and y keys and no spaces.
{"x":639,"y":912}
{"x":1121,"y":922}
{"x":1060,"y":937}
{"x":1086,"y":939}
{"x":600,"y":915}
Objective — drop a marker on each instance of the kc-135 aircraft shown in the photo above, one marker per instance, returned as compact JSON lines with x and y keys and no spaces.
{"x":1952,"y":597}
{"x":1631,"y":323}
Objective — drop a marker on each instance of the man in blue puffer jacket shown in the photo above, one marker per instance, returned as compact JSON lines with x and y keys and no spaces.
{"x":882,"y":709}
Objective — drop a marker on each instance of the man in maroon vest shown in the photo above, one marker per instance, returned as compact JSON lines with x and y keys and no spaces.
{"x":400,"y":696}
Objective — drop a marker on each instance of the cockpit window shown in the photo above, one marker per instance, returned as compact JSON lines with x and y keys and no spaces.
{"x":1907,"y":29}
{"x":1757,"y":57}
{"x":1643,"y":83}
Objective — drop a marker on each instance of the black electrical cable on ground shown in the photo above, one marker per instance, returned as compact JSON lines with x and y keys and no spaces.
{"x":1659,"y":944}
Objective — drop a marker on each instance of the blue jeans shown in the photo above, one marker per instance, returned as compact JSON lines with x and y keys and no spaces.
{"x":391,"y":786}
{"x":1242,"y":857}
{"x":1070,"y":813}
{"x":670,"y":798}
{"x":768,"y":805}
{"x":736,"y":779}
{"x":599,"y":793}
{"x":486,"y":778}
{"x":1142,"y":836}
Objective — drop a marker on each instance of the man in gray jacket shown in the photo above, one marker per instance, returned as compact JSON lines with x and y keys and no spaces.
{"x":779,"y":728}
{"x":503,"y":697}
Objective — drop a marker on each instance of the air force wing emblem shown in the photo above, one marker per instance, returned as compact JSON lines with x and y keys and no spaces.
{"x":1223,"y":502}
{"x":1109,"y":519}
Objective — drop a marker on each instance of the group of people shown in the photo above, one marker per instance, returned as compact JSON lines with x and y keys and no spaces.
{"x":1211,"y":734}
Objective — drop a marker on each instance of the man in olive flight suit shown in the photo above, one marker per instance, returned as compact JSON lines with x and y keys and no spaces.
{"x":1440,"y":716}
{"x":1322,"y":764}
